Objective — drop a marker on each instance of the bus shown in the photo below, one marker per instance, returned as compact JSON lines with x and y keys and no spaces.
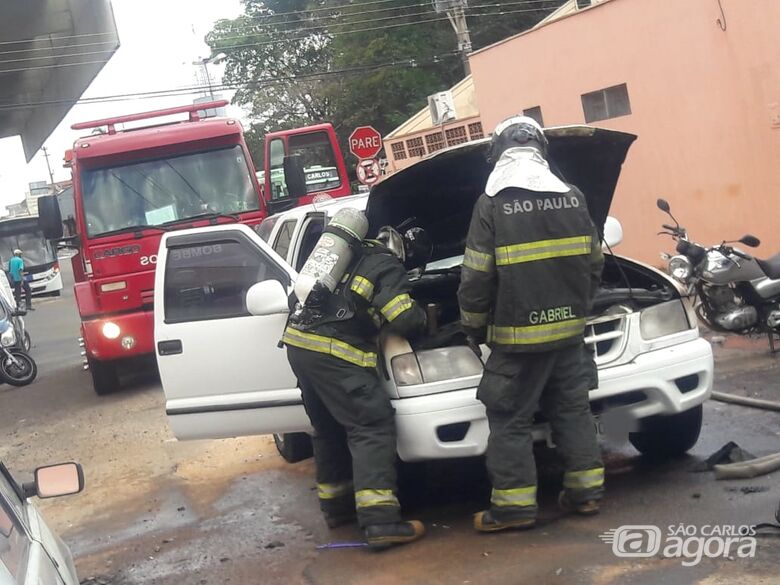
{"x":38,"y":253}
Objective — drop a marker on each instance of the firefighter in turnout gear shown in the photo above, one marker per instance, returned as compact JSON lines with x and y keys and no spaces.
{"x":334,"y":358}
{"x":532,"y":264}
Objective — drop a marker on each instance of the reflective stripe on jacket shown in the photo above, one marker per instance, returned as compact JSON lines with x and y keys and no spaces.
{"x":530,"y":269}
{"x":378,"y":287}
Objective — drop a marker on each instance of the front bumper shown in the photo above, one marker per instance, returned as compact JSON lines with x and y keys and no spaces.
{"x":49,"y":284}
{"x":664,"y":381}
{"x":138,"y":325}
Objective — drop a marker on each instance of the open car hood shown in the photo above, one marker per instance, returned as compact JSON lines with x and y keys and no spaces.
{"x":440,"y":191}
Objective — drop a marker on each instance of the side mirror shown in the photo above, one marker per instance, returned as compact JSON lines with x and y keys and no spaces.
{"x":49,"y":217}
{"x":613,"y":232}
{"x":294,"y":176}
{"x":267,"y":298}
{"x":51,"y":481}
{"x":751,"y":241}
{"x":663,"y":205}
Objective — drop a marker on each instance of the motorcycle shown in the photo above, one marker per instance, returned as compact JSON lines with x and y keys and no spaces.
{"x":17,"y":367}
{"x":733,"y":291}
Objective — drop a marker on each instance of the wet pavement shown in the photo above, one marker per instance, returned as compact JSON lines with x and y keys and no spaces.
{"x":231,"y":511}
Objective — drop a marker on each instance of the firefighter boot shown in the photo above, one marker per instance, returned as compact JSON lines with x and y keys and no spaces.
{"x":341,"y":519}
{"x":587,"y":508}
{"x":485,"y":522}
{"x":382,"y":536}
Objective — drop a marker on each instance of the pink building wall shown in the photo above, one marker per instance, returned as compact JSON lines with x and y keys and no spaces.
{"x":705,"y":104}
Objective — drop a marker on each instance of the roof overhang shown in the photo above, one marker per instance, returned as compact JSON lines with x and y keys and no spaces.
{"x":50,"y":51}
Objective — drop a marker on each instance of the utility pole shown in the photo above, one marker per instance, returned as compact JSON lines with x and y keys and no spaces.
{"x":456,"y":13}
{"x":48,"y":166}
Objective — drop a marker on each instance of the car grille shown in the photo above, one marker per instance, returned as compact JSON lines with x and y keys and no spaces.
{"x":606,"y":336}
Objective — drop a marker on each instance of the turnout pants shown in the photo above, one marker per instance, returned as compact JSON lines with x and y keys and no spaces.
{"x":355,"y":439}
{"x":20,"y":285}
{"x":513,"y":387}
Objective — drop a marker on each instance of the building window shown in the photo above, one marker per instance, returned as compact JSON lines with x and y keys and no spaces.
{"x":606,"y":103}
{"x":475,"y":131}
{"x":434,"y":141}
{"x":415,"y":146}
{"x":535,"y":113}
{"x":399,"y":150}
{"x":456,"y":135}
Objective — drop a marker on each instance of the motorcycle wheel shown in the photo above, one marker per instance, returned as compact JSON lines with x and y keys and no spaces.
{"x":21,"y":373}
{"x":27,"y":343}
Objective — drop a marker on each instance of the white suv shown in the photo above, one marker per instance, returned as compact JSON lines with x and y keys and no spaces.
{"x":225,"y":374}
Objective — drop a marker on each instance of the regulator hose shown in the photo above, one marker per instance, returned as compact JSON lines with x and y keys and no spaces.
{"x":745,"y":401}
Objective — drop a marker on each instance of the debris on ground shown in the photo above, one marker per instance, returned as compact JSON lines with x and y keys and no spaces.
{"x":749,"y":489}
{"x":729,"y":453}
{"x":274,"y":544}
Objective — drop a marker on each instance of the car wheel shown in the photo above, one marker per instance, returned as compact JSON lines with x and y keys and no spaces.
{"x":104,"y":376}
{"x":669,"y":435}
{"x":294,"y":447}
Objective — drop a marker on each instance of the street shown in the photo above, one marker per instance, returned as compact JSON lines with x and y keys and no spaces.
{"x":232,"y":511}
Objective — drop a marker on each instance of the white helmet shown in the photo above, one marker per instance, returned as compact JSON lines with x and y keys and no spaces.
{"x":17,"y":252}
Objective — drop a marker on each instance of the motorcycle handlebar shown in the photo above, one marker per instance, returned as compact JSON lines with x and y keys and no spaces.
{"x":671,"y":228}
{"x":740,"y":254}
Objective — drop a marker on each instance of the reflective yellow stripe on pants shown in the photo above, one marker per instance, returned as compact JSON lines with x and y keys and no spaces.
{"x":330,"y":346}
{"x":531,"y":334}
{"x":583,"y":480}
{"x":525,"y":496}
{"x":368,"y":498}
{"x":542,"y":250}
{"x":330,"y":491}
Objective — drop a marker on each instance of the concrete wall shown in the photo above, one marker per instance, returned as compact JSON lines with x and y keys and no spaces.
{"x":704,"y":103}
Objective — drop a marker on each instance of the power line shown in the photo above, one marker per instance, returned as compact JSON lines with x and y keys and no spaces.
{"x":262,"y":43}
{"x":433,"y":60}
{"x":50,"y":38}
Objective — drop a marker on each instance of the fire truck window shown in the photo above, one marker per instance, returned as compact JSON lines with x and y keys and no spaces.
{"x":167,"y":190}
{"x":319,"y":160}
{"x":278,"y":184}
{"x":210,"y":280}
{"x":284,"y":237}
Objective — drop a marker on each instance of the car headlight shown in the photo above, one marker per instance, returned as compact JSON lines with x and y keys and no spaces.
{"x":111,"y":330}
{"x":681,"y":268}
{"x":663,"y":319}
{"x":8,"y":338}
{"x":435,"y":365}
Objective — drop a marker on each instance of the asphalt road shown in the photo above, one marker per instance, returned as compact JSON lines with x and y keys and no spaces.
{"x":231,"y":511}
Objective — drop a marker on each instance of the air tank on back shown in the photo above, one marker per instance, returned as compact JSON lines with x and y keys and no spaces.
{"x":332,"y":254}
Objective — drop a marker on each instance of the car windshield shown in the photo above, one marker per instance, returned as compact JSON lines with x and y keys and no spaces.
{"x":36,"y":250}
{"x":167,"y":190}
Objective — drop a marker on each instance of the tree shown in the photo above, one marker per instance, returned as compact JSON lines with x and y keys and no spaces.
{"x":350,"y":62}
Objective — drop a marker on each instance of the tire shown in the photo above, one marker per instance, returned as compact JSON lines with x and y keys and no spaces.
{"x":668,"y":436}
{"x":294,"y":447}
{"x":27,"y":342}
{"x":20,"y":375}
{"x":104,"y":376}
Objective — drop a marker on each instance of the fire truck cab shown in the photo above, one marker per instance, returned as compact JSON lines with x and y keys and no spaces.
{"x":131,"y":185}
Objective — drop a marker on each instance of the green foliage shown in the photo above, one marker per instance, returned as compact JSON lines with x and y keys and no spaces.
{"x":296,"y":65}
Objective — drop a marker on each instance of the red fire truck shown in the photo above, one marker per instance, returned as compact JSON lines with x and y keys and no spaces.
{"x":131,"y":185}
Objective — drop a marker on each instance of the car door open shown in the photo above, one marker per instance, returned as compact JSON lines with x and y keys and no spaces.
{"x":222,"y":369}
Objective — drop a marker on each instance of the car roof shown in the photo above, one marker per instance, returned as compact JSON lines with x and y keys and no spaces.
{"x":330,"y":207}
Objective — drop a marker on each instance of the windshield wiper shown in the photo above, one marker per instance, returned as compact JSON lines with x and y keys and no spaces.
{"x":213,"y":215}
{"x":134,"y":228}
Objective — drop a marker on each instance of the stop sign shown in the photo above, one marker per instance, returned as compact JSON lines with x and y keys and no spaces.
{"x":365,"y":142}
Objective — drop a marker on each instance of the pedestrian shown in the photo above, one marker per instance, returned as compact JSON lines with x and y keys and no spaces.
{"x":532,"y":264}
{"x":19,"y":280}
{"x":335,"y":359}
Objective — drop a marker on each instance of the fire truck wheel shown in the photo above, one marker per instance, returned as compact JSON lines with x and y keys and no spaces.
{"x":104,"y":377}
